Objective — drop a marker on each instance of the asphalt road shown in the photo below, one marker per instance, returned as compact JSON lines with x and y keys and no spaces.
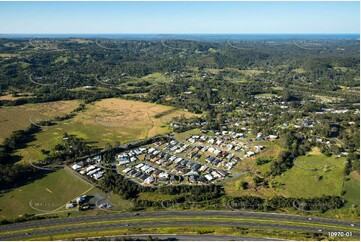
{"x":185,"y":237}
{"x":179,"y":214}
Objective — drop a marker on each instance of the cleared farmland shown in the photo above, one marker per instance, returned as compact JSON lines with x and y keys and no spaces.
{"x":313,"y":176}
{"x":18,"y":117}
{"x":106,"y":121}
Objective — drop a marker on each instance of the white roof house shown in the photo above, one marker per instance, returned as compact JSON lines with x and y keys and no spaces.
{"x":209,"y":177}
{"x":69,"y":205}
{"x":81,"y":199}
{"x":145,"y":167}
{"x":215,"y":174}
{"x":173,"y":142}
{"x":126,"y":170}
{"x":124,"y":161}
{"x":203,"y":168}
{"x":250,"y":153}
{"x":149,"y":180}
{"x":98,"y":175}
{"x":149,"y":170}
{"x":192,"y":140}
{"x":163,"y":174}
{"x":229,"y":165}
{"x":89,"y":168}
{"x":76,"y":167}
{"x":138,"y":152}
{"x":92,"y":172}
{"x":217,"y":152}
{"x":142,"y":149}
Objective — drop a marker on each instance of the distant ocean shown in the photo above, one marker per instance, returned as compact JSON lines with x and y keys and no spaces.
{"x":201,"y":37}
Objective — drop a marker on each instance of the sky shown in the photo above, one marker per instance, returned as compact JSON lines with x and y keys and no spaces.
{"x":179,"y":17}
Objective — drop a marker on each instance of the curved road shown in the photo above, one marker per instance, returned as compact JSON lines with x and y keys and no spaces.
{"x":72,"y":222}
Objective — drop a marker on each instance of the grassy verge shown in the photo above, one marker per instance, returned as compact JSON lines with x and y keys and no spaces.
{"x":209,"y":230}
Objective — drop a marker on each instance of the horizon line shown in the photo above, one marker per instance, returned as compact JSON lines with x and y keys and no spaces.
{"x":179,"y":33}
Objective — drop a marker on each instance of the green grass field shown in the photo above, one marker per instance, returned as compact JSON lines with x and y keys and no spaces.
{"x":351,"y":210}
{"x":119,"y":204}
{"x":156,"y":77}
{"x":156,"y":197}
{"x":48,"y":193}
{"x":185,"y":135}
{"x":352,"y":188}
{"x":326,"y":180}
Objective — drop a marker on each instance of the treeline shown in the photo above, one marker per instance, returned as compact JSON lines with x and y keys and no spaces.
{"x":17,"y":140}
{"x":25,"y":218}
{"x":194,"y":192}
{"x":212,"y":196}
{"x":72,"y":148}
{"x":55,"y":94}
{"x":16,"y":175}
{"x":13,"y":175}
{"x":296,"y":145}
{"x":129,"y":189}
{"x":164,"y":113}
{"x":319,"y":204}
{"x":121,"y":185}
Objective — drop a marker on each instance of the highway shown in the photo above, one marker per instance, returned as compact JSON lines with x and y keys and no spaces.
{"x":71,"y":224}
{"x":185,"y":237}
